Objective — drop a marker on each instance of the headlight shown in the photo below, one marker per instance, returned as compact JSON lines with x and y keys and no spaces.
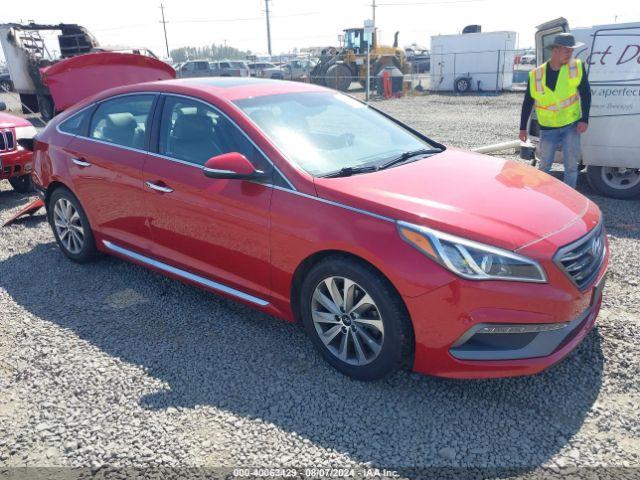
{"x":470,"y":259}
{"x":25,"y":132}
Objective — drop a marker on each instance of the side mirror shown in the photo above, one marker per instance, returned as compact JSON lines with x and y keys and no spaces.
{"x":3,"y":106}
{"x":231,"y":165}
{"x":27,"y":143}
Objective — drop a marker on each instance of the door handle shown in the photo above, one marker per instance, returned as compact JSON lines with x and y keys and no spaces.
{"x":80,"y":162}
{"x":158,"y":188}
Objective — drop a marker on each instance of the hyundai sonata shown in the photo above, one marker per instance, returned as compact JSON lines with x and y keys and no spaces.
{"x":391,"y":249}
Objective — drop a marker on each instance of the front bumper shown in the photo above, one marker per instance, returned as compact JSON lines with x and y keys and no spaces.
{"x":546,"y":324}
{"x":15,"y":163}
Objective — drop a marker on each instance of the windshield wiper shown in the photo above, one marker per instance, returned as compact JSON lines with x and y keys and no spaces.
{"x":348,"y":171}
{"x":408,"y":155}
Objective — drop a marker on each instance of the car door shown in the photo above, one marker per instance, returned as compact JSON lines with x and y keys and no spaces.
{"x":106,"y":164}
{"x":214,"y":228}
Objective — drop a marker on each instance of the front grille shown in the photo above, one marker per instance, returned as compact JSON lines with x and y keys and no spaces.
{"x":582,"y":259}
{"x":7,"y":141}
{"x":11,"y":143}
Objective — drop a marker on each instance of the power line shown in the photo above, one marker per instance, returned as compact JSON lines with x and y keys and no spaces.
{"x":437,"y":2}
{"x":212,"y":20}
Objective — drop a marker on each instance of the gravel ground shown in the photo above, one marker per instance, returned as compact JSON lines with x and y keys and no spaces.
{"x":110,"y":364}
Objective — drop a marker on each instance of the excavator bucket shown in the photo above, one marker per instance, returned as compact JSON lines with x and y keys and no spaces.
{"x":30,"y":209}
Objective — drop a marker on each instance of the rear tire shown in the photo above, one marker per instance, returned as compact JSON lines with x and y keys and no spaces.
{"x":623,"y":183}
{"x":70,"y":226}
{"x":370,"y":335}
{"x":22,"y":184}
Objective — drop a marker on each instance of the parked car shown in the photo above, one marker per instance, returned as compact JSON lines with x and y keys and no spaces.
{"x":256,"y":68}
{"x":15,"y":162}
{"x":229,"y":68}
{"x":528,"y":59}
{"x":194,"y":68}
{"x":314,"y":207}
{"x":292,"y":70}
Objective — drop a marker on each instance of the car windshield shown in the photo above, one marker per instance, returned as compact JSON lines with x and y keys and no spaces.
{"x":239,"y":64}
{"x":326,"y":132}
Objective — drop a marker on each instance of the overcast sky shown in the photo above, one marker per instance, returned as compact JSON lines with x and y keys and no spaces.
{"x":302,"y":23}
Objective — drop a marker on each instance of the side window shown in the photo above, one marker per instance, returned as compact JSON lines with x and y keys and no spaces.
{"x":202,"y":66}
{"x":194,"y":132}
{"x":225,"y":65}
{"x":190,"y":66}
{"x":73,"y":124}
{"x":122,"y":120}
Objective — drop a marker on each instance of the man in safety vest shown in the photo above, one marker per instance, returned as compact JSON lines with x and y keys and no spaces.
{"x":560,"y":91}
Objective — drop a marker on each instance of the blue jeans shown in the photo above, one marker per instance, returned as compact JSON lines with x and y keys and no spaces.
{"x":569,"y":138}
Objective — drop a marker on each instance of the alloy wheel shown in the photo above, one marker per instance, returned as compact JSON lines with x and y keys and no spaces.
{"x":347,"y":320}
{"x":68,"y":226}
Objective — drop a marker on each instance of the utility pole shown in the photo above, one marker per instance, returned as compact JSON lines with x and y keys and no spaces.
{"x":373,"y":17}
{"x":164,"y":25}
{"x":266,"y":4}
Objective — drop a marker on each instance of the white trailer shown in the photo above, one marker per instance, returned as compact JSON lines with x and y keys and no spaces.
{"x":468,"y":62}
{"x":611,"y":145}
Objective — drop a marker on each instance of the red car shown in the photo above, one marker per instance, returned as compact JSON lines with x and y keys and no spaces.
{"x":15,"y":162}
{"x":391,"y":249}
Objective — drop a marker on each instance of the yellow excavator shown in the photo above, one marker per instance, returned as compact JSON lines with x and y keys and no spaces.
{"x":338,"y":67}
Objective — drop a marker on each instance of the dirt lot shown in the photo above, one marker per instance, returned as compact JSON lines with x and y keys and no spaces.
{"x":110,"y":364}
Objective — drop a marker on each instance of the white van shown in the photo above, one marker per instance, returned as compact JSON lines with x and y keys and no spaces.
{"x":611,"y":145}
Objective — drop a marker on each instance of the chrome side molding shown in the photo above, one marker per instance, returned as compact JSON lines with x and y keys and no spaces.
{"x":184,"y":274}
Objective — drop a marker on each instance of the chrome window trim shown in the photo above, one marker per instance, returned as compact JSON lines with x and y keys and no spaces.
{"x":185,"y":274}
{"x":217,"y":110}
{"x":91,"y":105}
{"x":291,"y":190}
{"x":217,"y":170}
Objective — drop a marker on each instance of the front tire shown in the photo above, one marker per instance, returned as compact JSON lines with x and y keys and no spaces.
{"x":22,"y":184}
{"x":356,"y":319}
{"x":339,"y":77}
{"x":70,"y":226}
{"x":623,"y":183}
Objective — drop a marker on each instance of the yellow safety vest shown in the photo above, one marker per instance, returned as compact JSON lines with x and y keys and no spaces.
{"x":559,"y":107}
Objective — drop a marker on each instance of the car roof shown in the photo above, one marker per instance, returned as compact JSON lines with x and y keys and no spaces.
{"x":228,"y":88}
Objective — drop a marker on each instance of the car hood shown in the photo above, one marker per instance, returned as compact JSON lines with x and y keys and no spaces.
{"x":8,"y":120}
{"x":488,"y":199}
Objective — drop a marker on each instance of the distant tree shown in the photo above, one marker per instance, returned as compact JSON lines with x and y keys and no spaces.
{"x":208,"y":52}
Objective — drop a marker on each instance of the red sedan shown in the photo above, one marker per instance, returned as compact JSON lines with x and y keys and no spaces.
{"x":391,"y":249}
